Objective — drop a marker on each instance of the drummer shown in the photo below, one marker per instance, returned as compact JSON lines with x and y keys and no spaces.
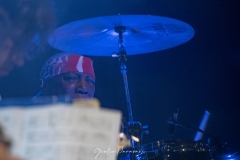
{"x":68,"y":74}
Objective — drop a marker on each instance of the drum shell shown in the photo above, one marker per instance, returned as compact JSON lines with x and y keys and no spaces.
{"x":229,"y":156}
{"x":175,"y":150}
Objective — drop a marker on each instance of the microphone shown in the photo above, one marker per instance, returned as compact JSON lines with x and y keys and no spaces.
{"x":202,"y":126}
{"x":172,"y":123}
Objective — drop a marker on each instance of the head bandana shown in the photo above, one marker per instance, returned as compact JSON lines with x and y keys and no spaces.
{"x":66,"y":62}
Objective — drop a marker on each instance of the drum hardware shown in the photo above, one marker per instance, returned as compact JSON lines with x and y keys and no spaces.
{"x":172,"y":121}
{"x":134,"y":128}
{"x":175,"y":150}
{"x":175,"y":123}
{"x":137,"y":34}
{"x":215,"y":144}
{"x":135,"y":131}
{"x":122,"y":56}
{"x":141,"y":34}
{"x":217,"y":147}
{"x":232,"y":156}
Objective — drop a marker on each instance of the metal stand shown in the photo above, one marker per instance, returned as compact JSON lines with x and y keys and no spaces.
{"x":122,"y":56}
{"x":134,"y":129}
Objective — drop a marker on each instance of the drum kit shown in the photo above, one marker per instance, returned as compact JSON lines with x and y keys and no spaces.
{"x":122,"y":35}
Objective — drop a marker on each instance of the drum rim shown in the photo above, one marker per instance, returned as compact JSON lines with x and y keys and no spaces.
{"x":157,"y":148}
{"x":171,"y":143}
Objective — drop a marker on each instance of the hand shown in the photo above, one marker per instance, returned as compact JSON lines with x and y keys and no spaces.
{"x":4,"y":153}
{"x":122,"y":142}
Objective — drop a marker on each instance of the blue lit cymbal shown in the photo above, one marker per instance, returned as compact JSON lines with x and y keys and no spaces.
{"x":144,"y":34}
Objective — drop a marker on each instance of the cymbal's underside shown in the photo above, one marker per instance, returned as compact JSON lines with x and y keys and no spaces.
{"x":144,"y":34}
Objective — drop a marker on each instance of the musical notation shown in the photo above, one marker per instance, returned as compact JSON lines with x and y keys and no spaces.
{"x":61,"y":131}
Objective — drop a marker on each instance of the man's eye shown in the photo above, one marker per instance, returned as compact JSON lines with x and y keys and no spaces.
{"x":71,"y":78}
{"x":90,"y":81}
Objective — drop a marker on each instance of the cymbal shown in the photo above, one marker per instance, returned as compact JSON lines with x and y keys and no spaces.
{"x":144,"y":34}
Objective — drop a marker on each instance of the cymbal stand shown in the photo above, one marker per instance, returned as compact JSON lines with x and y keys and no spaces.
{"x":134,"y":128}
{"x":122,"y":56}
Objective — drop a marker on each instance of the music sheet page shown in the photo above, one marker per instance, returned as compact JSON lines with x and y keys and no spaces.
{"x":60,"y":132}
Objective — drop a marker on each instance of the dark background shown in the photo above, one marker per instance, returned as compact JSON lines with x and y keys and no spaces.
{"x":201,"y":74}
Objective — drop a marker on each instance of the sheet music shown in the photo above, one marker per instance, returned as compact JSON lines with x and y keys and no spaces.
{"x":60,"y":132}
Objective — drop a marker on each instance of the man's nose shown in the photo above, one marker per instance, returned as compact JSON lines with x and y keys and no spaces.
{"x":81,"y":86}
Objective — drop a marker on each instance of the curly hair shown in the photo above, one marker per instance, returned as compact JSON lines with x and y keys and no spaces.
{"x":27,"y":23}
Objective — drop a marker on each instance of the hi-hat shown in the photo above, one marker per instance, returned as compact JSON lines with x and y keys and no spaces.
{"x":144,"y":34}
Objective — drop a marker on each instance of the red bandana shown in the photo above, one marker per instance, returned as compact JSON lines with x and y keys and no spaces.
{"x":66,"y":62}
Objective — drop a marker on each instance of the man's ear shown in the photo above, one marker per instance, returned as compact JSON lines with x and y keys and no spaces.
{"x":45,"y":85}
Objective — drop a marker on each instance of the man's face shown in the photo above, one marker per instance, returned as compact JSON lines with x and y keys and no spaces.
{"x":74,"y":84}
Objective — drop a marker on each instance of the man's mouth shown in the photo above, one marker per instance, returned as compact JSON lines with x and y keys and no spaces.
{"x":80,"y":96}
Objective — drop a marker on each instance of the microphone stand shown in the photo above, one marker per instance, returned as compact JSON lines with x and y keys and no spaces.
{"x":170,"y":121}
